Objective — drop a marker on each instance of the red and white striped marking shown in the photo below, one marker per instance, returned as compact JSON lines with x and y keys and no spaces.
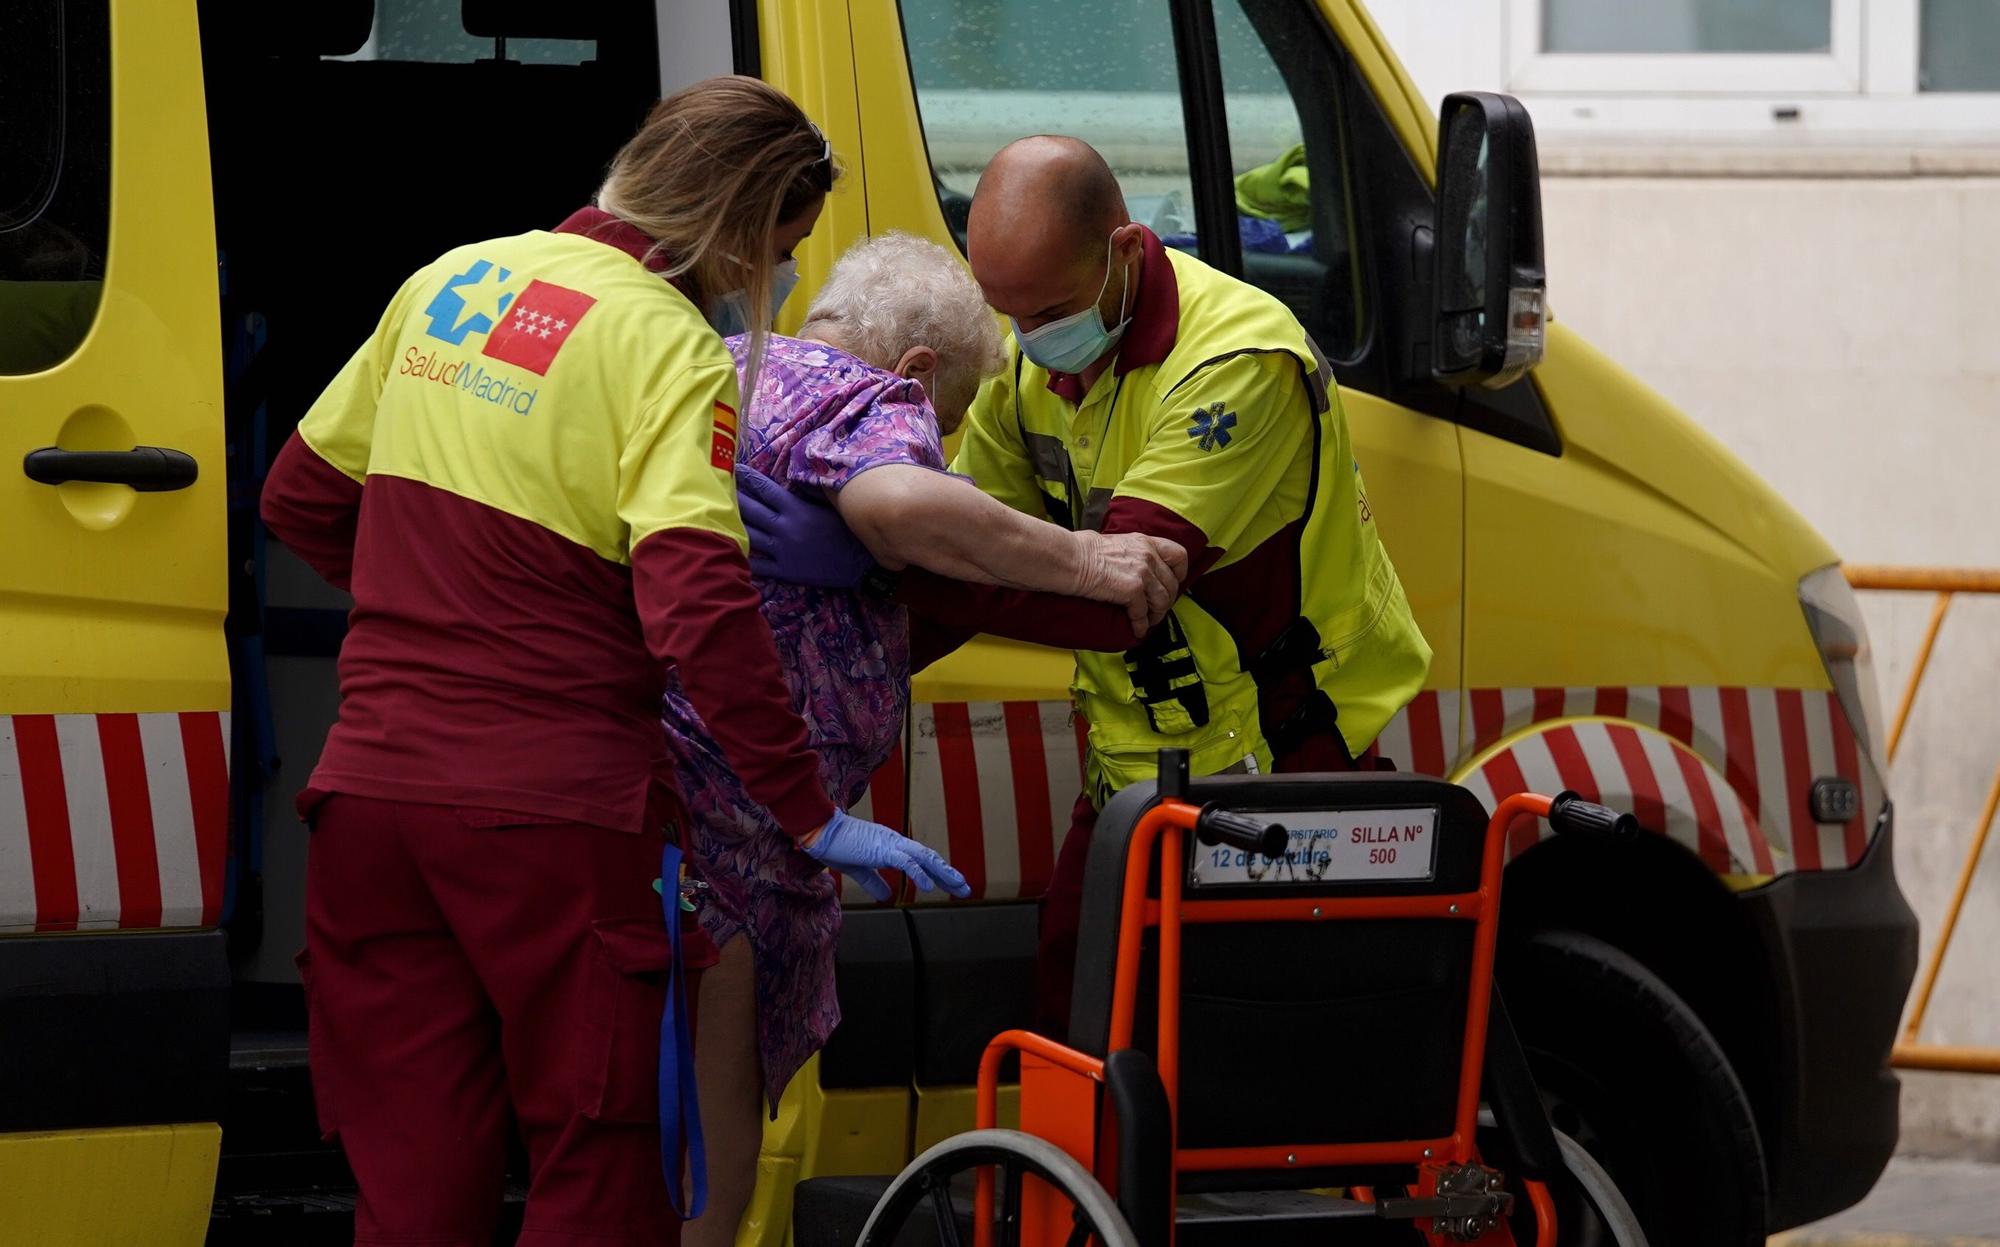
{"x":1423,"y":737}
{"x":112,"y":820}
{"x":992,"y":784}
{"x":882,"y":803}
{"x":1725,"y":771}
{"x":1667,"y":785}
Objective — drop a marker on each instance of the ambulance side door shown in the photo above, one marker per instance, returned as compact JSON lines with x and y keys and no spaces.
{"x":114,"y":679}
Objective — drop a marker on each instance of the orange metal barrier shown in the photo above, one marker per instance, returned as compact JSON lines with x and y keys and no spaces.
{"x":1945,"y":582}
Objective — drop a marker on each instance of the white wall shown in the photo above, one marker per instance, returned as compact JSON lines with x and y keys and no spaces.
{"x":1839,"y":327}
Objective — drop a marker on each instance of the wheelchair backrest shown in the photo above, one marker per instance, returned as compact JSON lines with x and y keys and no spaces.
{"x":1318,"y":1031}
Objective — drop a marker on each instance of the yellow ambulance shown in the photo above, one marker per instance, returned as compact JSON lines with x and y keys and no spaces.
{"x":203,"y":206}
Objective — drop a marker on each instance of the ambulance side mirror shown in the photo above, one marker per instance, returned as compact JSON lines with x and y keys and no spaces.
{"x":1488,"y":310}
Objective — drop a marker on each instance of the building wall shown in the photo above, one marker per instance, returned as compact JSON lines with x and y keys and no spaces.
{"x":1825,"y":298}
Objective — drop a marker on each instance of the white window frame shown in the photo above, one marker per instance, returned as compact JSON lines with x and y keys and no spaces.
{"x":1840,"y":71}
{"x":1891,"y":48}
{"x":1463,"y":45}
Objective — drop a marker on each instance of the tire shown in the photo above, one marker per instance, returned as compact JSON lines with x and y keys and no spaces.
{"x":1024,"y":1152}
{"x":1629,"y":1071}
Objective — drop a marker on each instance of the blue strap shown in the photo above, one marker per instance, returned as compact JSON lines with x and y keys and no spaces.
{"x":680,"y":1107}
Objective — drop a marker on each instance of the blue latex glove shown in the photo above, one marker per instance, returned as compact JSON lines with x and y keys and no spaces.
{"x":858,"y":848}
{"x":795,"y":539}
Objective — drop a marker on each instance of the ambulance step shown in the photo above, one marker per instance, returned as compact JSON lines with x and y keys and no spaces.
{"x":278,"y":1183}
{"x":270,"y":1129}
{"x":267,"y":1049}
{"x":318,"y":1217}
{"x":829,"y":1212}
{"x":306,"y":1218}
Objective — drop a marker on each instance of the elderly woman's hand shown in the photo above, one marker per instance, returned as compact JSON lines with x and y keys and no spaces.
{"x":1139,"y":572}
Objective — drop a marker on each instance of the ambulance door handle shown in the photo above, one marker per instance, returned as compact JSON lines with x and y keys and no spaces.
{"x":148,"y":469}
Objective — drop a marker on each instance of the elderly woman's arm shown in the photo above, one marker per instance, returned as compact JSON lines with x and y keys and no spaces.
{"x":908,"y":515}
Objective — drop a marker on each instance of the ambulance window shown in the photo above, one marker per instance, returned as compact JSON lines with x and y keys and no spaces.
{"x":989,"y":73}
{"x":433,"y":32}
{"x":55,"y":177}
{"x":1287,"y":144}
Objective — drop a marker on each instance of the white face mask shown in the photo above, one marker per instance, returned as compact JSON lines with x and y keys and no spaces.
{"x":731,"y":314}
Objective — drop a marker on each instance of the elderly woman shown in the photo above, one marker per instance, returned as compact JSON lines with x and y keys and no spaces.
{"x":851,"y":411}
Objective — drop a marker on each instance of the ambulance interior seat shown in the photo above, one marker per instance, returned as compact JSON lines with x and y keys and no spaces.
{"x":1291,"y":1033}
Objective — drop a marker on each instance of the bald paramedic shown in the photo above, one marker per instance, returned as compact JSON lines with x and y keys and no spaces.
{"x":1147,"y":392}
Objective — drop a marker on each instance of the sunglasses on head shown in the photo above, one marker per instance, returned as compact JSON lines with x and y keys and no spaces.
{"x":820,"y":172}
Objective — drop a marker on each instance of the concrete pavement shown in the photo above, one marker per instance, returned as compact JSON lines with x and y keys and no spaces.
{"x":1918,"y":1203}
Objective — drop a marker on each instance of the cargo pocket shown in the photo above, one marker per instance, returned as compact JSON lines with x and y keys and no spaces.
{"x":619,"y":1081}
{"x":320,"y":1060}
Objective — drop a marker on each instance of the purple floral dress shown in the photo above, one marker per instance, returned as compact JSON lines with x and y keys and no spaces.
{"x":820,"y":418}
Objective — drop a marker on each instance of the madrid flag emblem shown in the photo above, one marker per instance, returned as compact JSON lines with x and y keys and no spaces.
{"x":722,"y":438}
{"x":537,"y":325}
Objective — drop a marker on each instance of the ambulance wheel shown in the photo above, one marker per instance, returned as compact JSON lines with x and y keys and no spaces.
{"x":928,"y":1182}
{"x":1633,"y":1076}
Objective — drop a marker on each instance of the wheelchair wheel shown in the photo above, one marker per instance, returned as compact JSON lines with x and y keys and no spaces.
{"x":1591,"y":1212}
{"x":928,"y":1182}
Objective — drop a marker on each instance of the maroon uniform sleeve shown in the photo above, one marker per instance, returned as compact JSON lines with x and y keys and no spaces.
{"x":963,"y":609}
{"x":946,"y":613}
{"x":931,"y":641}
{"x":313,"y":507}
{"x":699,"y":611}
{"x":1137,"y":515}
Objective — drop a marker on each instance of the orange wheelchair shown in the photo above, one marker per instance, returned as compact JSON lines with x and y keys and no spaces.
{"x":1284,"y":1030}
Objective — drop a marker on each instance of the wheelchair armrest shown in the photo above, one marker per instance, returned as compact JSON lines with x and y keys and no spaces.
{"x":987,"y":1108}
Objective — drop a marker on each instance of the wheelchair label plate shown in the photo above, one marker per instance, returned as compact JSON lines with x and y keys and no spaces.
{"x":1330,"y":846}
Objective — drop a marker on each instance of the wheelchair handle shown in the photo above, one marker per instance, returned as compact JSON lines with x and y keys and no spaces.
{"x":1571,"y":813}
{"x":1215,"y":825}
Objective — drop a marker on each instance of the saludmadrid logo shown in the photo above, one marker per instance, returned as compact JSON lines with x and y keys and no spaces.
{"x":526,"y":328}
{"x":470,"y":377}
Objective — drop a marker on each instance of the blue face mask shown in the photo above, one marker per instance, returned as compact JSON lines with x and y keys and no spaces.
{"x":732,"y":310}
{"x":1073,"y":342}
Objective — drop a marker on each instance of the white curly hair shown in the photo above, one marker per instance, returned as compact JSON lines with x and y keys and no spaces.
{"x":896,"y":291}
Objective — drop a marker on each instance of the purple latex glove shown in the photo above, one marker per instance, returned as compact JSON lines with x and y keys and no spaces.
{"x":795,"y":539}
{"x":859,"y":849}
